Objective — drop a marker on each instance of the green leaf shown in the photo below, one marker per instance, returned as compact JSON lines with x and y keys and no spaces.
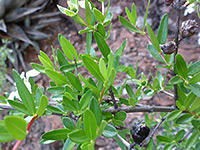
{"x":195,"y":88}
{"x":16,"y":126}
{"x":119,"y":142}
{"x":185,"y":118}
{"x":145,"y":18}
{"x":74,"y":81}
{"x":90,"y":124}
{"x":24,"y":93}
{"x":38,"y":67}
{"x":128,"y":25}
{"x":88,"y":13}
{"x":89,"y":85}
{"x":70,"y":104}
{"x":85,"y":99}
{"x":175,"y":80}
{"x":163,"y":30}
{"x":43,"y":105}
{"x":92,"y":67}
{"x":108,"y":18}
{"x":153,"y":38}
{"x":102,"y":67}
{"x":70,"y":67}
{"x":79,"y":136}
{"x":101,"y":127}
{"x":189,"y":99}
{"x":110,"y":64}
{"x":102,"y":45}
{"x":154,"y":53}
{"x":173,"y":115}
{"x":45,"y":60}
{"x":179,"y":136}
{"x":68,"y":48}
{"x":194,"y":68}
{"x":101,"y":29}
{"x":192,"y":140}
{"x":181,"y":67}
{"x":58,"y":134}
{"x":95,"y":108}
{"x":163,"y":139}
{"x":195,"y":79}
{"x":121,"y":49}
{"x":19,"y":106}
{"x":56,"y":90}
{"x":68,"y":123}
{"x":121,"y":115}
{"x":195,"y":105}
{"x":109,"y":131}
{"x":66,"y":11}
{"x":56,"y":77}
{"x":168,"y":147}
{"x":5,"y":136}
{"x":130,"y":91}
{"x":54,"y":109}
{"x":134,"y":13}
{"x":130,"y":16}
{"x":98,"y":15}
{"x":61,"y":58}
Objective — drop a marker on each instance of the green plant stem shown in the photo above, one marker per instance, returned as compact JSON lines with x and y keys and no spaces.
{"x":103,"y":8}
{"x":101,"y":96}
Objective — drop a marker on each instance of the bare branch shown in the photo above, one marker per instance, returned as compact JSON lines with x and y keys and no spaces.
{"x":113,"y":97}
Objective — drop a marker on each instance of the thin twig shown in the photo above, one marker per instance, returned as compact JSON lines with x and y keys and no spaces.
{"x":113,"y":97}
{"x":167,"y":93}
{"x":127,"y":144}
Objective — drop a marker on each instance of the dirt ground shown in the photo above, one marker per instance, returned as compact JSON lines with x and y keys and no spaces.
{"x":135,"y":51}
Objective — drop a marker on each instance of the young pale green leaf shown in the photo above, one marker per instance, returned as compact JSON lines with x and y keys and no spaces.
{"x":88,"y":12}
{"x":89,"y":85}
{"x":88,"y":42}
{"x":101,"y":127}
{"x":195,"y":79}
{"x":102,"y":45}
{"x":145,"y":18}
{"x":24,"y":93}
{"x":102,"y":67}
{"x":131,"y":72}
{"x":56,"y":77}
{"x":85,"y":99}
{"x":98,"y":15}
{"x":54,"y":109}
{"x":128,"y":25}
{"x":179,"y":136}
{"x":134,"y":13}
{"x":67,"y":48}
{"x":189,"y":99}
{"x":109,"y":131}
{"x":121,"y":49}
{"x":79,"y":136}
{"x":130,"y":16}
{"x":195,"y":88}
{"x":58,"y":134}
{"x":16,"y":126}
{"x":194,"y":68}
{"x":192,"y":140}
{"x":92,"y":67}
{"x":108,"y":18}
{"x":90,"y":124}
{"x":101,"y":30}
{"x":121,"y":115}
{"x":95,"y":108}
{"x":175,"y":80}
{"x":163,"y":139}
{"x":54,"y":57}
{"x":66,"y":11}
{"x":154,"y":53}
{"x":68,"y":123}
{"x":45,"y":60}
{"x":173,"y":115}
{"x":68,"y":145}
{"x":185,"y":118}
{"x":153,"y":38}
{"x":110,"y":64}
{"x":38,"y":67}
{"x":61,"y":58}
{"x":56,"y":90}
{"x":163,"y":30}
{"x":42,"y":106}
{"x":74,"y":81}
{"x":19,"y":106}
{"x":5,"y":136}
{"x":181,"y":67}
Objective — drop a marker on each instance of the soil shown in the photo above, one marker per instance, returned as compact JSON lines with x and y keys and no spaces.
{"x":135,"y":51}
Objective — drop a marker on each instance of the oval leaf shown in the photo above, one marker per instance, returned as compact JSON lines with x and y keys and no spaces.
{"x":58,"y":134}
{"x":173,"y":115}
{"x":181,"y":67}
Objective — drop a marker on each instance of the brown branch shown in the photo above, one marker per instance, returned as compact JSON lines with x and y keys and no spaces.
{"x":113,"y":97}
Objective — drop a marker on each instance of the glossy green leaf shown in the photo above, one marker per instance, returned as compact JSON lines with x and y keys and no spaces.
{"x":24,"y":93}
{"x":181,"y":67}
{"x":163,"y":30}
{"x":68,"y":48}
{"x":101,"y":29}
{"x":102,"y":45}
{"x":58,"y":134}
{"x":102,"y":67}
{"x":175,"y":80}
{"x":45,"y":60}
{"x":185,"y":118}
{"x":43,"y":105}
{"x":195,"y":88}
{"x":19,"y":106}
{"x":56,"y":77}
{"x":194,"y":68}
{"x":38,"y":67}
{"x":61,"y":58}
{"x":16,"y":126}
{"x":5,"y":136}
{"x":88,"y":13}
{"x":153,"y":38}
{"x":154,"y":53}
{"x":98,"y":15}
{"x":85,"y":99}
{"x":192,"y":140}
{"x":70,"y":67}
{"x":95,"y":108}
{"x":195,"y":79}
{"x":145,"y":18}
{"x":56,"y":90}
{"x":179,"y":136}
{"x":79,"y":136}
{"x":88,"y":84}
{"x":134,"y":13}
{"x":68,"y":123}
{"x":109,"y":131}
{"x":130,"y":16}
{"x":90,"y":124}
{"x":74,"y":81}
{"x":189,"y":99}
{"x":163,"y":139}
{"x":128,"y":25}
{"x":92,"y":67}
{"x":54,"y":109}
{"x":70,"y":104}
{"x":173,"y":115}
